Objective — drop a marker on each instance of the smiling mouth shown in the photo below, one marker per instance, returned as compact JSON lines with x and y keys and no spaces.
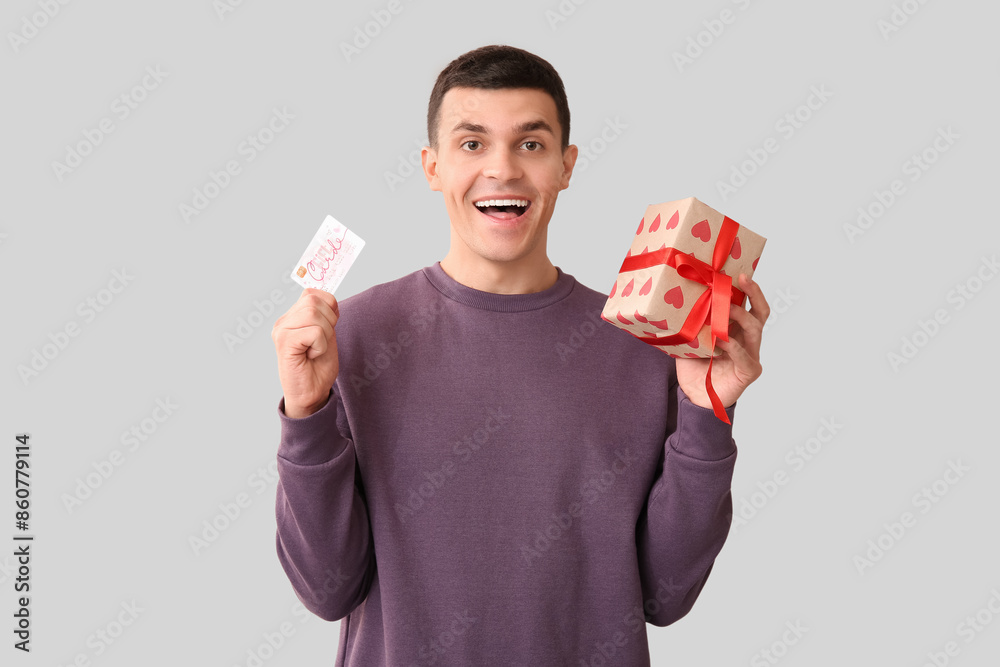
{"x":504,"y":209}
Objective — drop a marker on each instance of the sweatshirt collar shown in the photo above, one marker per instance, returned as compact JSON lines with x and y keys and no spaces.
{"x":501,"y":303}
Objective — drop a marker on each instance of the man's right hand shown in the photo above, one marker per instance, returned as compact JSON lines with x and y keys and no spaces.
{"x":307,"y":352}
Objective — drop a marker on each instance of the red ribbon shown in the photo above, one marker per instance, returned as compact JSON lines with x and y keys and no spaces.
{"x":711,"y":308}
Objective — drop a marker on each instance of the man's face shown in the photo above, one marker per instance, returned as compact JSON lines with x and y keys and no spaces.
{"x":499,"y":145}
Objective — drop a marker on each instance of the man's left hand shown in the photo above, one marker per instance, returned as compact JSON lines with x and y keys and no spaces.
{"x":733,"y":371}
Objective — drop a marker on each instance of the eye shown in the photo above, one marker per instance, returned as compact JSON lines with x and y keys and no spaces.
{"x":471,"y":141}
{"x":537,"y":146}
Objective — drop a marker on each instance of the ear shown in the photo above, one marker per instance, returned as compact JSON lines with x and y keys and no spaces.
{"x":569,"y":161}
{"x":428,"y":158}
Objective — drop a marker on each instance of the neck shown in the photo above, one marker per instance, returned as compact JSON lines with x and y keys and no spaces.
{"x":525,"y":275}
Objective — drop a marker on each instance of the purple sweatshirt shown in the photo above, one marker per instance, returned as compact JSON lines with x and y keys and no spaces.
{"x":499,"y":479}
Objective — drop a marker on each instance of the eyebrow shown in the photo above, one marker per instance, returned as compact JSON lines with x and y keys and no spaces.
{"x":530,"y":126}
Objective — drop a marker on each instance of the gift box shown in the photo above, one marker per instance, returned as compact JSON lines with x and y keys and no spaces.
{"x":683,"y":263}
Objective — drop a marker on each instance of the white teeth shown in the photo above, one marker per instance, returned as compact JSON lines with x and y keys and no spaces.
{"x":502,"y":202}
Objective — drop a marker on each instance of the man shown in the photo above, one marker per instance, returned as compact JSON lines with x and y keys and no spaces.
{"x":454,"y":487}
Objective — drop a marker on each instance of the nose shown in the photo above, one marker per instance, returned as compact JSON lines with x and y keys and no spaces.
{"x":502,"y":164}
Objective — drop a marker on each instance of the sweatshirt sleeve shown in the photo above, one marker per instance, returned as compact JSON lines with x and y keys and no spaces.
{"x":324,"y":539}
{"x":689,"y":511}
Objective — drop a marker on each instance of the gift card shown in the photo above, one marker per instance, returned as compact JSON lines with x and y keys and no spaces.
{"x":328,"y":257}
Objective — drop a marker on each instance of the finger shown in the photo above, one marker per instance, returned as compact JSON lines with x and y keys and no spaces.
{"x":309,"y":339}
{"x":745,"y":366}
{"x":759,"y":307}
{"x":309,"y":315}
{"x":307,"y":326}
{"x":736,"y":332}
{"x":750,"y":327}
{"x":322,"y":302}
{"x":325,"y":297}
{"x":316,"y":297}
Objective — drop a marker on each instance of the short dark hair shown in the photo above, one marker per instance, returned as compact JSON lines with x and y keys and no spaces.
{"x":496,"y":67}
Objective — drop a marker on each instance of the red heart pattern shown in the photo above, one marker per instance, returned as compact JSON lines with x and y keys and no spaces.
{"x":675,"y":297}
{"x":702,"y":231}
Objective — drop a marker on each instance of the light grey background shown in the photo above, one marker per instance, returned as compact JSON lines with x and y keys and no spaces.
{"x":840,"y":307}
